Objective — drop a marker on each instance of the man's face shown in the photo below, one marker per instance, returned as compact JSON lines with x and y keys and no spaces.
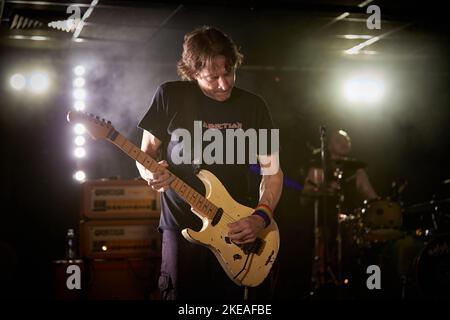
{"x":339,"y":145}
{"x":215,"y":81}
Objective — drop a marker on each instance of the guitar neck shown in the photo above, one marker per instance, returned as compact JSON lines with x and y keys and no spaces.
{"x":199,"y":203}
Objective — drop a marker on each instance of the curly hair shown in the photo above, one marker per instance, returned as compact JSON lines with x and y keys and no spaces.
{"x":201,"y":46}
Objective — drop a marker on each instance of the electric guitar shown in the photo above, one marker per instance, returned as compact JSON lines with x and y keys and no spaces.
{"x":247,"y":264}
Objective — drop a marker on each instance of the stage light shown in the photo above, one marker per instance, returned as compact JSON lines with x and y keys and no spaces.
{"x":356,"y":49}
{"x":79,"y":105}
{"x":80,"y":141}
{"x":17,"y":81}
{"x":355,"y":36}
{"x":364,"y":88}
{"x":79,"y":129}
{"x":39,"y":82}
{"x":79,"y":176}
{"x":343,"y":133}
{"x":80,"y":152}
{"x":79,"y":82}
{"x":79,"y":94}
{"x":39,"y":38}
{"x":79,"y":70}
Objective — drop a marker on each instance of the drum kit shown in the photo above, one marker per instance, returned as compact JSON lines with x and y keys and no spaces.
{"x":413,"y":241}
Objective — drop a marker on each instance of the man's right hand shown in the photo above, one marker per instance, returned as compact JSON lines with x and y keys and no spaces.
{"x":161,"y":179}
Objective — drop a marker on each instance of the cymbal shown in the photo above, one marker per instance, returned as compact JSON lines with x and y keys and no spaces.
{"x":344,"y":163}
{"x":349,"y":163}
{"x":427,"y":206}
{"x":320,"y":193}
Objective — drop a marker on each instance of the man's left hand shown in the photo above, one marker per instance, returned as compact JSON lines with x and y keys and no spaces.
{"x":246,"y":230}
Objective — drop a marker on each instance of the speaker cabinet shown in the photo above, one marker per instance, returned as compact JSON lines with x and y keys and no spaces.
{"x":122,"y":279}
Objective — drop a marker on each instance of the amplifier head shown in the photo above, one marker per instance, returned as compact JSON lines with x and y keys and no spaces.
{"x":108,"y":199}
{"x":103,"y":239}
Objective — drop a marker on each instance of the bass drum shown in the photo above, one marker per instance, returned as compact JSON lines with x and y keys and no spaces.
{"x":433,"y":268}
{"x":382,"y":220}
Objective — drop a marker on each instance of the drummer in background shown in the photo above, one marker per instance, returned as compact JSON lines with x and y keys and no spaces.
{"x":354,"y":184}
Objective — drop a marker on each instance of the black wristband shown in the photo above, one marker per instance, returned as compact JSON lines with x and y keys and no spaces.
{"x":263,"y":215}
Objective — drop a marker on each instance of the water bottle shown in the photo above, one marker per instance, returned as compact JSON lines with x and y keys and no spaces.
{"x":70,"y":244}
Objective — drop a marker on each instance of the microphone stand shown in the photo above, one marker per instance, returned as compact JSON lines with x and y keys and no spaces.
{"x":323,"y":162}
{"x":320,"y":260}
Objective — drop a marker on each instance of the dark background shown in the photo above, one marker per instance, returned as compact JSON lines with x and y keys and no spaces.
{"x":293,"y":58}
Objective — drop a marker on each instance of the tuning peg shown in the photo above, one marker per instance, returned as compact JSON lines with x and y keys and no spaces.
{"x":109,"y":122}
{"x":97,"y":117}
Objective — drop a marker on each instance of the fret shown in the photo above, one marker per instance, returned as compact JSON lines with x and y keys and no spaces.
{"x":209,"y":214}
{"x":134,"y":152}
{"x":175,"y":183}
{"x":123,"y":142}
{"x":147,"y":162}
{"x":120,"y":140}
{"x":180,"y":188}
{"x":199,"y":201}
{"x":207,"y":209}
{"x":202,"y":204}
{"x":129,"y":146}
{"x":189,"y":194}
{"x":205,"y":206}
{"x":183,"y":188}
{"x":154,"y":166}
{"x":142,"y":155}
{"x":193,"y":199}
{"x":125,"y":145}
{"x":187,"y":189}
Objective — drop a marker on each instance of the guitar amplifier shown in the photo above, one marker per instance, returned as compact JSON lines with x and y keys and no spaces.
{"x":111,"y":199}
{"x":122,"y":279}
{"x":103,"y":239}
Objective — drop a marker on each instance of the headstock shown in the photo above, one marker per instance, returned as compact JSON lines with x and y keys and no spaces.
{"x":96,"y":127}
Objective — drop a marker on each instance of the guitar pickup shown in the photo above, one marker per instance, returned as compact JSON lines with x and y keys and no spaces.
{"x":254,"y":247}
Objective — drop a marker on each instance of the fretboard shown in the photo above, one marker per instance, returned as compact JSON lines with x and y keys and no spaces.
{"x":200,"y":204}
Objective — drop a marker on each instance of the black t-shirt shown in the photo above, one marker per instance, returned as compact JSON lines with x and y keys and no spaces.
{"x":175,"y":106}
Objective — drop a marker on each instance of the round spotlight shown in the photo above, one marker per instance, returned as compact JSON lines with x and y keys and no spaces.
{"x":79,"y":129}
{"x":364,"y":89}
{"x":17,"y":81}
{"x":79,"y":176}
{"x":80,"y":152}
{"x":39,"y":82}
{"x":79,"y":70}
{"x":79,"y":94}
{"x":79,"y":105}
{"x":79,"y":82}
{"x":80,"y":141}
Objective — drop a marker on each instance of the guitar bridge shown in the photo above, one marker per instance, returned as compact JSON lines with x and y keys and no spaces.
{"x":254,"y":247}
